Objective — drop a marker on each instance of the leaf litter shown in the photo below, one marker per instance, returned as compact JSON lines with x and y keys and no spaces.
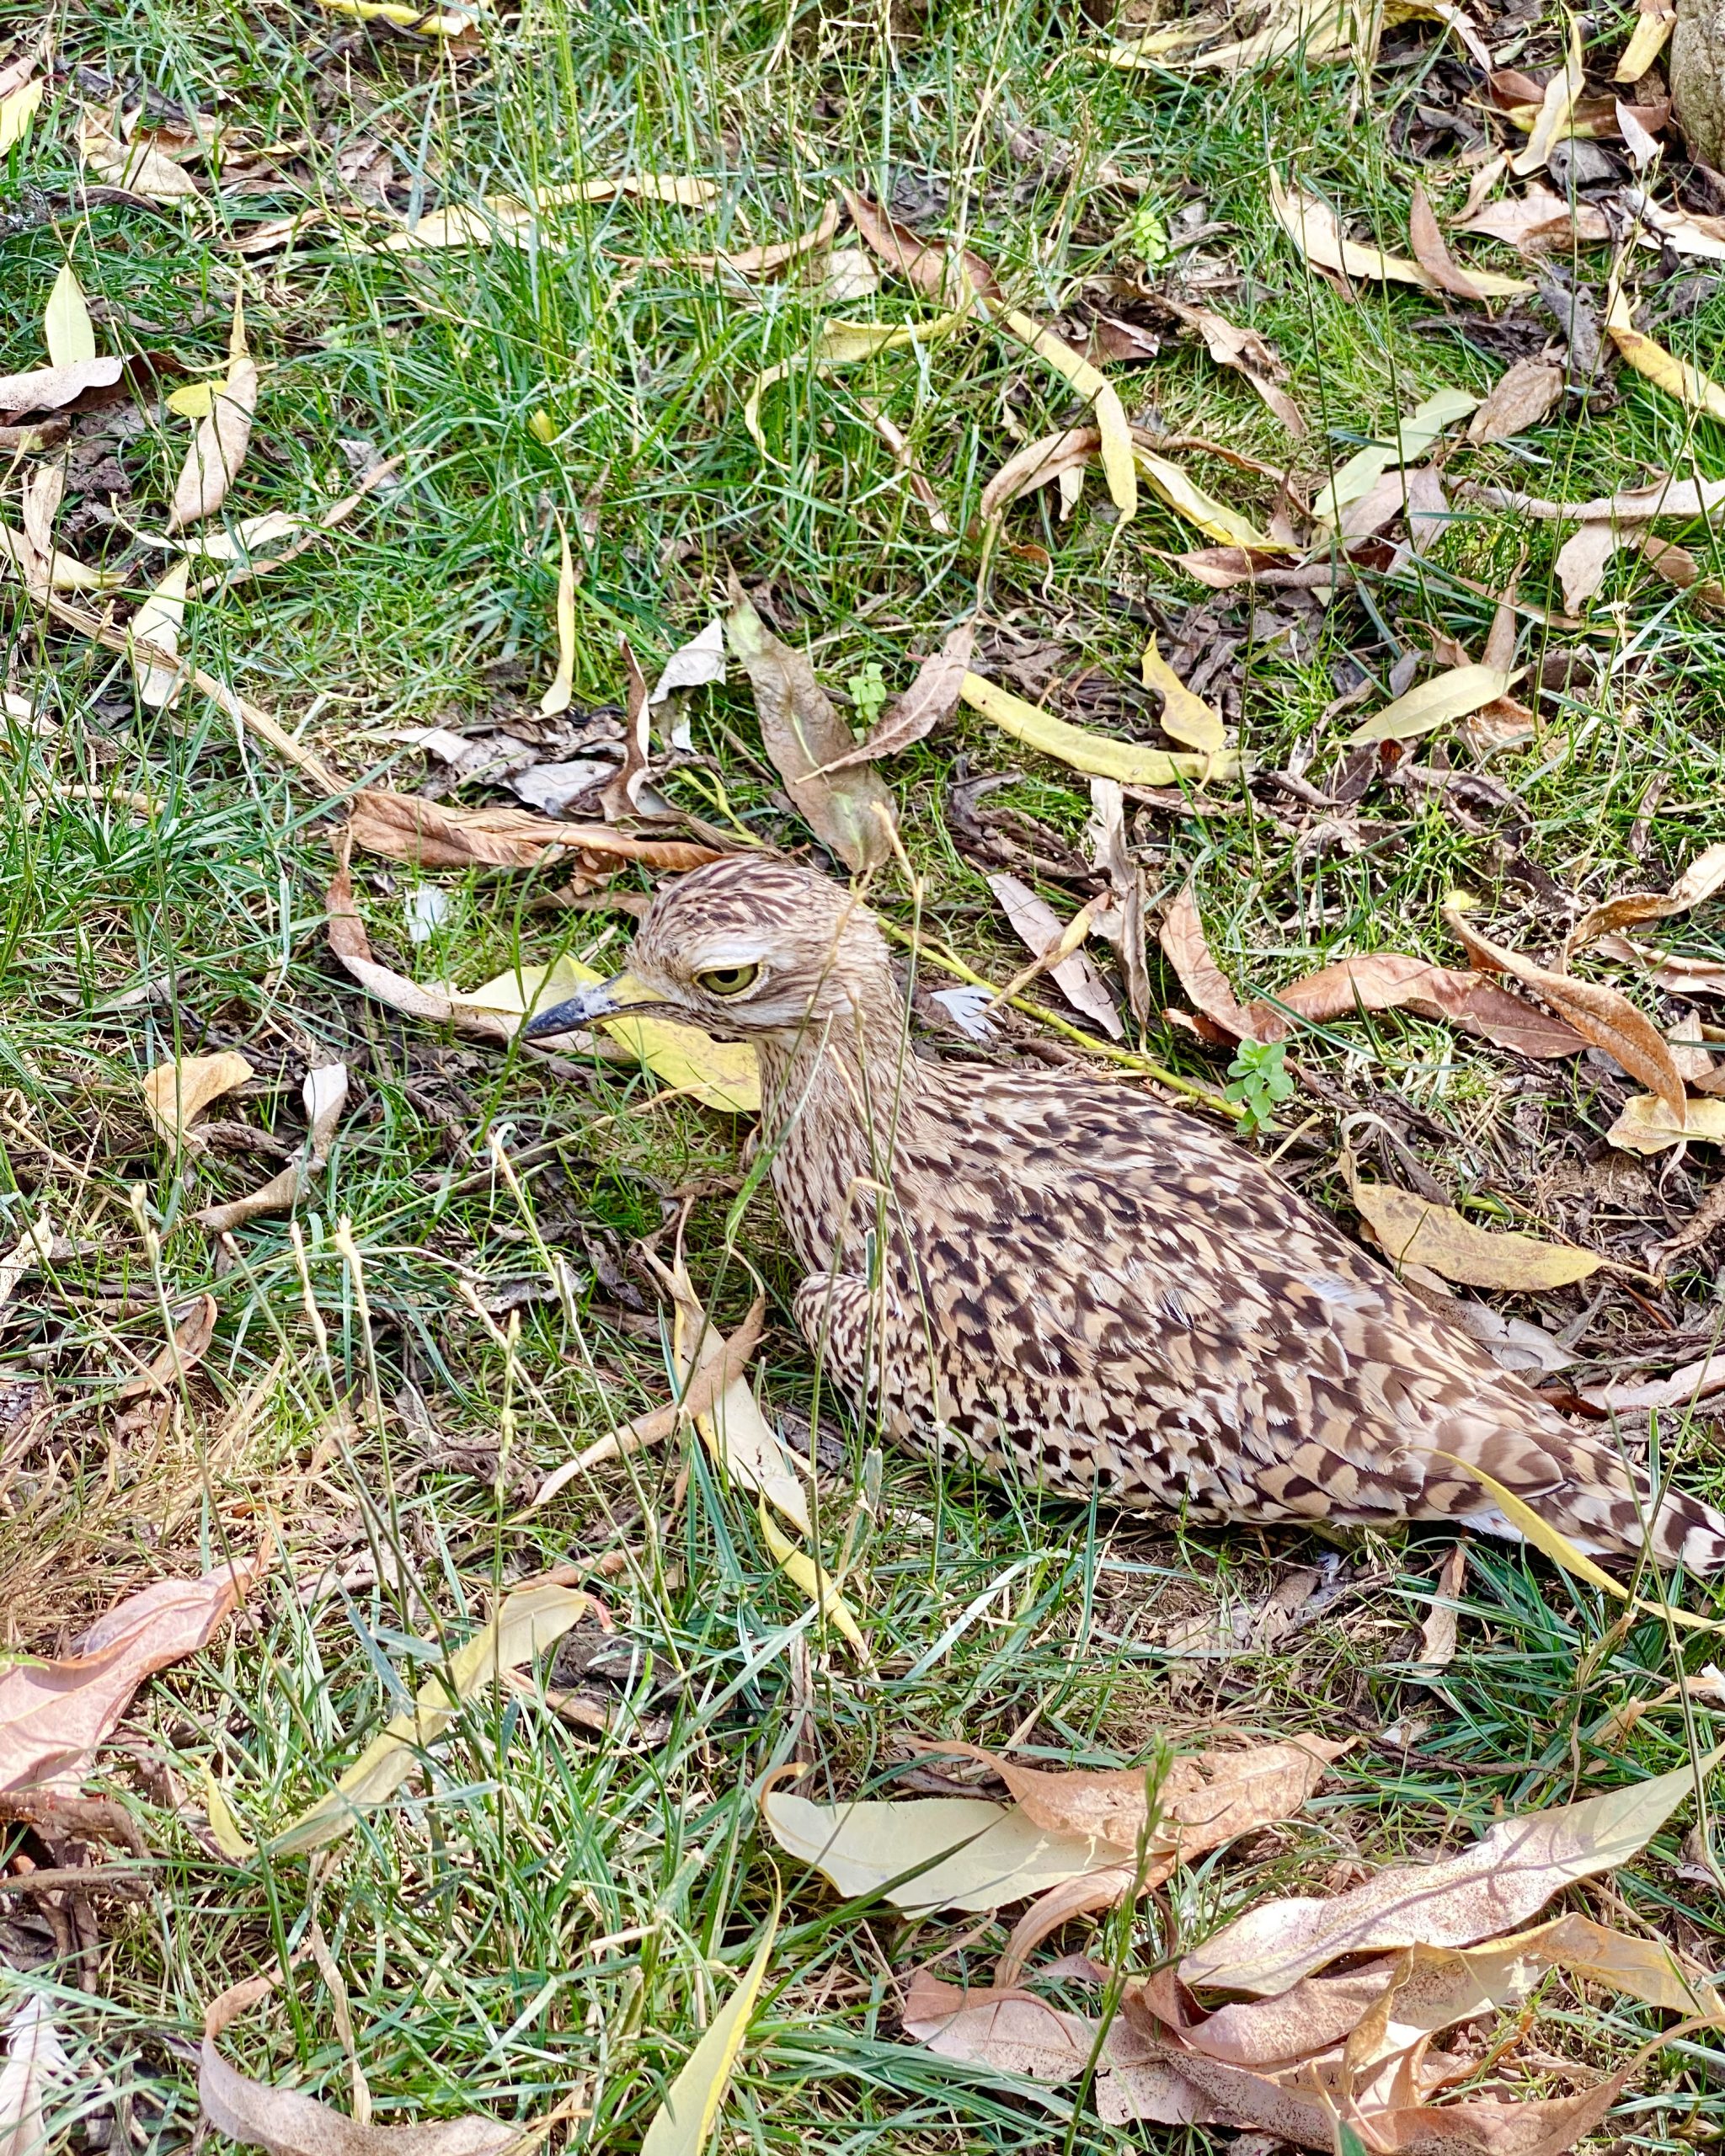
{"x":1146,"y":2045}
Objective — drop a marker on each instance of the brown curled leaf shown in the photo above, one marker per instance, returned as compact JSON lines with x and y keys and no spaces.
{"x":1604,"y":1018}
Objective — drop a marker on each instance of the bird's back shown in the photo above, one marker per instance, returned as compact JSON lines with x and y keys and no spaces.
{"x":1095,"y":1288}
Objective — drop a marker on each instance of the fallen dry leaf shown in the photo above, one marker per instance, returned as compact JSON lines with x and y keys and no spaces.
{"x":157,"y":624}
{"x":1186,"y":718}
{"x":1654,"y":25}
{"x":692,"y":665}
{"x":1315,"y":232}
{"x":1244,"y":350}
{"x":1414,"y":434}
{"x":805,"y":1572}
{"x":1442,"y":271}
{"x":433,"y":835}
{"x":1456,"y":694}
{"x":851,"y":812}
{"x":1392,"y":980}
{"x":1412,"y":1230}
{"x":843,"y":344}
{"x":44,"y":489}
{"x":1677,"y":566}
{"x":177,"y":1093}
{"x":1582,"y":560}
{"x":749,"y":1450}
{"x":1556,"y":111}
{"x":1187,"y":949}
{"x":494,"y":218}
{"x":1438,"y":1634}
{"x":1176,"y":487}
{"x":1648,"y":1123}
{"x":184,"y":1349}
{"x":54,"y":1715}
{"x":1438,"y":1986}
{"x":967,"y":1853}
{"x":1504,"y":1878}
{"x":67,"y":330}
{"x":19,"y":103}
{"x":349,"y":941}
{"x":557,"y":695}
{"x":905,"y":457}
{"x":1606,"y":1019}
{"x":64,"y":573}
{"x":136,"y":166}
{"x":1667,"y":969}
{"x":1036,"y":465}
{"x":1704,"y":879}
{"x":218,"y":447}
{"x":620,"y":796}
{"x":1696,"y":390}
{"x":1041,"y":930}
{"x":1198,"y":1801}
{"x":1077,"y":747}
{"x":682,"y":190}
{"x":529,"y":1619}
{"x":1004,"y":2027}
{"x":258,"y":2115}
{"x":723,"y":1361}
{"x":1115,"y":444}
{"x":324,"y":1093}
{"x":775,"y":254}
{"x":931,"y":698}
{"x":949,"y":277}
{"x":1679,"y":231}
{"x":1121,"y":923}
{"x":35,"y":1247}
{"x":1518,"y":399}
{"x":45,"y":389}
{"x":683,"y":2124}
{"x":37,"y":2072}
{"x":1659,"y":498}
{"x":1695,"y":1381}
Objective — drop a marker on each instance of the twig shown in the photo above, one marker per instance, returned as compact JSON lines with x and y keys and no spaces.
{"x":268,"y":730}
{"x":117,"y":1878}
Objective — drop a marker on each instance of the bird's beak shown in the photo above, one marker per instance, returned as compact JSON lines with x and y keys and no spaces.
{"x":624,"y":996}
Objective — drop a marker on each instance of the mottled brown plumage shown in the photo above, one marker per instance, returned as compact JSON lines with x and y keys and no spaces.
{"x":1078,"y":1285}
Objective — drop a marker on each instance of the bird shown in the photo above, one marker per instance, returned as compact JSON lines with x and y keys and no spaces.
{"x":1072,"y":1282}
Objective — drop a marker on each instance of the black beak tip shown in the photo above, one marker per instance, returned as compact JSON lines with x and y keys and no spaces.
{"x":562,"y":1018}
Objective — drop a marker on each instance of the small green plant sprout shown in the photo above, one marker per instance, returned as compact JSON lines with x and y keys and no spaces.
{"x":867,"y":688}
{"x":1260,"y":1083}
{"x":1147,"y":237}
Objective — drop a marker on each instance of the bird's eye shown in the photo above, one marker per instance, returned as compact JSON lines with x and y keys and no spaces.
{"x":727,"y":980}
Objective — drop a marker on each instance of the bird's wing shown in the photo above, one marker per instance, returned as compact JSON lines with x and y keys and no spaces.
{"x":1122,"y":1255}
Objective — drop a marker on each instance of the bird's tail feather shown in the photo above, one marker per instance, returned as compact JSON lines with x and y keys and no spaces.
{"x":1582,"y":1487}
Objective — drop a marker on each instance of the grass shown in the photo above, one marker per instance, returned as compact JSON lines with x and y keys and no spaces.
{"x":552,"y":1917}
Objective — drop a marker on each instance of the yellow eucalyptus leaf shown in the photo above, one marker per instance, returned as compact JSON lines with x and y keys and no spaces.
{"x":67,"y":328}
{"x":803,"y":1571}
{"x":1083,"y":751}
{"x":683,"y":2124}
{"x":1183,"y":495}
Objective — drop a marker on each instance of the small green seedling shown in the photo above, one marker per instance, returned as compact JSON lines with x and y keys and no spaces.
{"x":1260,"y":1084}
{"x":867,"y":690}
{"x":1147,"y":237}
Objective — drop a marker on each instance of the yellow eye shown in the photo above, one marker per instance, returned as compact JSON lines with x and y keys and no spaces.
{"x":727,"y":980}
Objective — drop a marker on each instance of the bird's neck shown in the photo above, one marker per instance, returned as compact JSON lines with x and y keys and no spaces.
{"x":837,"y":1099}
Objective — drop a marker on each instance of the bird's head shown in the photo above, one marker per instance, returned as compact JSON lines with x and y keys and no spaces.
{"x":746,"y":948}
